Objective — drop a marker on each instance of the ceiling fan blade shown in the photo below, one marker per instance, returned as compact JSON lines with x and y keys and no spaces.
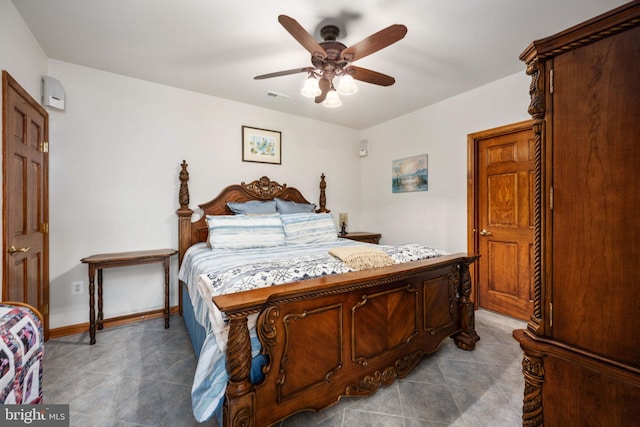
{"x":325,"y":85}
{"x":369,"y":76}
{"x":283,"y":73}
{"x":302,"y":36}
{"x":374,"y":43}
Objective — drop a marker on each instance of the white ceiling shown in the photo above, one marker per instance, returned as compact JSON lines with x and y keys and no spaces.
{"x":217,"y":47}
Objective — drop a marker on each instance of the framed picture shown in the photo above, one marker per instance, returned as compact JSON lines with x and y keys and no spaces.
{"x":261,"y":145}
{"x":410,"y":174}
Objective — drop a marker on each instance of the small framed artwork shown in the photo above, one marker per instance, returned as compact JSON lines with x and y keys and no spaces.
{"x":410,"y":174}
{"x":261,"y":145}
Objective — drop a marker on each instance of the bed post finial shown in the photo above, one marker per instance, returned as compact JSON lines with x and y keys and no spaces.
{"x":184,"y":220}
{"x":183,"y":196}
{"x":323,"y":196}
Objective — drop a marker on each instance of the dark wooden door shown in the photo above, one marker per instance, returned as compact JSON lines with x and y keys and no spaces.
{"x":25,"y":199}
{"x":504,"y":166}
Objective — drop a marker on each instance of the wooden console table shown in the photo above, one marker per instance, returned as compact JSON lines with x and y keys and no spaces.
{"x":123,"y":259}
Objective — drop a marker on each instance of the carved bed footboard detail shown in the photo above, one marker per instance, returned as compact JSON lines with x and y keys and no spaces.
{"x":370,"y":383}
{"x":239,"y":388}
{"x":465,"y":339}
{"x":267,"y":333}
{"x":325,"y":345}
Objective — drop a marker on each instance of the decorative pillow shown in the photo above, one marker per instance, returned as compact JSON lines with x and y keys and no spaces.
{"x":245,"y":231}
{"x":309,"y":228}
{"x":253,"y":207}
{"x":287,"y":207}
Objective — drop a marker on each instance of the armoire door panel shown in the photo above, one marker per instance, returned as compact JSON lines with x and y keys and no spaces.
{"x":596,"y":237}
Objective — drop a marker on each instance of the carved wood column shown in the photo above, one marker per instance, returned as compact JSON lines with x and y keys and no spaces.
{"x":533,"y":370}
{"x":537,"y":109}
{"x":323,"y":196}
{"x":240,"y":391}
{"x":465,"y":339}
{"x":184,"y":213}
{"x":184,"y":222}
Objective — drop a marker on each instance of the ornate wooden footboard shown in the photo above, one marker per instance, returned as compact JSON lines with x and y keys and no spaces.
{"x":342,"y":335}
{"x":339,"y":335}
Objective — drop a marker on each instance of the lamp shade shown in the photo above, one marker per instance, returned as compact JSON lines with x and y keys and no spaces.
{"x":332,"y":100}
{"x":347,"y":85}
{"x":311,"y":88}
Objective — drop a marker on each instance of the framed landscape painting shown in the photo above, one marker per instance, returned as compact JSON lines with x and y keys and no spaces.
{"x":261,"y":145}
{"x":410,"y":174}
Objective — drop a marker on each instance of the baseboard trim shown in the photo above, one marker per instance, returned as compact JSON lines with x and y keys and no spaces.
{"x":111,"y":322}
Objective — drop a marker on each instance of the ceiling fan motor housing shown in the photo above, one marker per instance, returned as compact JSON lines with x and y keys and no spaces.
{"x":329,"y":66}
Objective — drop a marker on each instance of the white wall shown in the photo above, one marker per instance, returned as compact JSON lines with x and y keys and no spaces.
{"x":437,"y":217}
{"x":114,"y":162}
{"x":20,"y":53}
{"x":21,"y":56}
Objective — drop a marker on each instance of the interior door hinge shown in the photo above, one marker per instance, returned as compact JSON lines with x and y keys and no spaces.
{"x":551,"y":197}
{"x":551,"y":80}
{"x":44,"y":228}
{"x":44,"y":147}
{"x":550,"y":314}
{"x":45,"y":309}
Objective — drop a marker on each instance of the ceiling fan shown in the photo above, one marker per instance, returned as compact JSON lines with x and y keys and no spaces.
{"x":331,"y":58}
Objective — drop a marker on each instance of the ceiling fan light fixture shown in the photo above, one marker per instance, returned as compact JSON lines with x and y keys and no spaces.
{"x":311,"y":88}
{"x":332,"y":100}
{"x":347,"y":85}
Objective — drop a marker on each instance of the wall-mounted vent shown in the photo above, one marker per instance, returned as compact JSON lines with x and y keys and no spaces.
{"x":277,"y":95}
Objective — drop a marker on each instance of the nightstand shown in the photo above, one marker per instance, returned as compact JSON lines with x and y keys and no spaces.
{"x":363,"y":236}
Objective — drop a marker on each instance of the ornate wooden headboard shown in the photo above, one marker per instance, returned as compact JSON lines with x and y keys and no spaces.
{"x":190,"y":232}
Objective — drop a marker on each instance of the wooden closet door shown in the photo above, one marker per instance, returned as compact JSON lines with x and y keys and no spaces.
{"x":596,"y":197}
{"x":25,"y":199}
{"x":505,"y":221}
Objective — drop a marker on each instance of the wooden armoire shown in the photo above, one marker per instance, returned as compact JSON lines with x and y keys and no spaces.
{"x":582,"y":343}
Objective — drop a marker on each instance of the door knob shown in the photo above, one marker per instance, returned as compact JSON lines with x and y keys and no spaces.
{"x":484,"y":232}
{"x":12,"y":250}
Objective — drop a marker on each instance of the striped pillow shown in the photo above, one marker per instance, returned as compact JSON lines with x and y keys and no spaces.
{"x":309,"y":228}
{"x":245,"y":231}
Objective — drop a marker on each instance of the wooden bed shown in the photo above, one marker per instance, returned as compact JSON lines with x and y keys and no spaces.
{"x":339,"y":335}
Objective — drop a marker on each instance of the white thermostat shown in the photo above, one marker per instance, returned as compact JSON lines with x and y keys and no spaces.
{"x":52,"y":93}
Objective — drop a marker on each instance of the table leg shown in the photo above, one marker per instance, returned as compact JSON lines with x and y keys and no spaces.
{"x":167,"y":263}
{"x":92,"y":309}
{"x":100,"y":314}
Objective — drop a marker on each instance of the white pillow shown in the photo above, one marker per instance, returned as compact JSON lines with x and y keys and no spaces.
{"x":309,"y":228}
{"x":245,"y":231}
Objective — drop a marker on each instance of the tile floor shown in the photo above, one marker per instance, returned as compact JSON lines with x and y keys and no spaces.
{"x":140,"y":375}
